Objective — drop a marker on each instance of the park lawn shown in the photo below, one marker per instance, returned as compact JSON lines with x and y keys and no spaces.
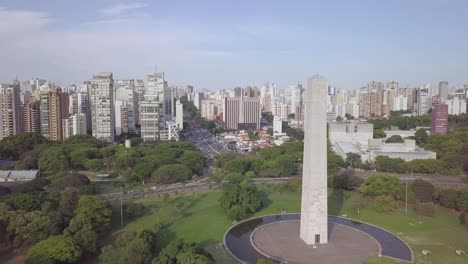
{"x":199,"y":218}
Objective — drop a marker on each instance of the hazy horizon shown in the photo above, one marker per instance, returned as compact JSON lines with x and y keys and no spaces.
{"x":218,"y":45}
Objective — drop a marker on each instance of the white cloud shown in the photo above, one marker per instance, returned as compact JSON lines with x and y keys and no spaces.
{"x":21,"y":21}
{"x":122,"y":8}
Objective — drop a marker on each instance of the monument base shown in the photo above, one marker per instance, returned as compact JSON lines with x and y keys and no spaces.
{"x":281,"y":241}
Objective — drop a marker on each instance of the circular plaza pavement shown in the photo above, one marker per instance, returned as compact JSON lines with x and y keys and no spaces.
{"x":280,"y":241}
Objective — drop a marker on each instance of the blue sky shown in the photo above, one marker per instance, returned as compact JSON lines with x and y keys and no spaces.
{"x":222,"y":44}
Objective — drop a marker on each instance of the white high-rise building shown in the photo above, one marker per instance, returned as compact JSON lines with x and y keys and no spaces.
{"x":314,"y":212}
{"x":102,"y":106}
{"x":74,"y":125}
{"x":296,"y":95}
{"x":179,"y":114}
{"x":277,"y":124}
{"x":10,"y":121}
{"x":400,"y":103}
{"x":152,"y":107}
{"x":443,"y":91}
{"x":456,"y":106}
{"x":423,"y":101}
{"x":125,"y":93}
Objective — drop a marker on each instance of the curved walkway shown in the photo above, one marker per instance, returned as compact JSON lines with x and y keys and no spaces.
{"x":237,"y":238}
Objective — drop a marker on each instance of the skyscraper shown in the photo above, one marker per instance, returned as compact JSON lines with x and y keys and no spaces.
{"x":443,"y":91}
{"x":439,"y":119}
{"x":102,"y":106}
{"x":125,"y":102}
{"x":58,"y":110}
{"x":30,"y":117}
{"x":151,"y":108}
{"x":314,"y":215}
{"x":242,"y":112}
{"x":10,"y":124}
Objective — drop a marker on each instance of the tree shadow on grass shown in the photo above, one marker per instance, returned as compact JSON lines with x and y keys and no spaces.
{"x":336,"y":201}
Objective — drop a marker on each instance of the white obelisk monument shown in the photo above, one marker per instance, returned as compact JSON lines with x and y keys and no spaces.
{"x":314,"y":212}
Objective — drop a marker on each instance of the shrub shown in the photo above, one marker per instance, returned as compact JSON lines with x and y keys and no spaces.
{"x":385,"y":204}
{"x":448,"y":198}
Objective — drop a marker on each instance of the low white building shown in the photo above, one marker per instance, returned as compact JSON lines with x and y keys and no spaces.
{"x":18,"y":175}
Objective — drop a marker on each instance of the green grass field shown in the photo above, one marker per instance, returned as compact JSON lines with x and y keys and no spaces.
{"x":199,"y":218}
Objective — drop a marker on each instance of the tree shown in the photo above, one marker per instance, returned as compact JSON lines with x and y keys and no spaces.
{"x":53,"y":159}
{"x":194,"y":160}
{"x":345,"y":181}
{"x":423,"y":190}
{"x":170,"y":253}
{"x":67,"y":205}
{"x":130,"y":247}
{"x":421,"y":137}
{"x":286,"y":166}
{"x":240,"y":165}
{"x":55,"y":249}
{"x":334,"y":161}
{"x":12,"y":147}
{"x":71,"y":180}
{"x":192,"y":258}
{"x":394,"y":139}
{"x":4,"y":191}
{"x":379,"y":133}
{"x":382,"y":185}
{"x":29,"y":227}
{"x":270,"y":131}
{"x":24,"y":201}
{"x":245,"y":199}
{"x":172,"y":173}
{"x":353,"y":160}
{"x":448,"y":198}
{"x":385,"y":204}
{"x":462,"y":201}
{"x":142,"y":171}
{"x":133,"y":210}
{"x":92,"y":217}
{"x":387,"y":164}
{"x":35,"y":185}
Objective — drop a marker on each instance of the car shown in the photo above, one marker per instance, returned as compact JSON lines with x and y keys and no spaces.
{"x":154,"y":188}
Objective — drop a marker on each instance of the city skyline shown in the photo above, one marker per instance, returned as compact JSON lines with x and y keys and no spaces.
{"x":125,"y":38}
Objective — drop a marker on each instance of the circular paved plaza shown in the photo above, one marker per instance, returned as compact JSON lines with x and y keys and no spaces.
{"x":281,"y":241}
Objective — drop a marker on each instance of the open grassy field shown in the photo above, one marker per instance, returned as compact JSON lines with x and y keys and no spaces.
{"x":199,"y":218}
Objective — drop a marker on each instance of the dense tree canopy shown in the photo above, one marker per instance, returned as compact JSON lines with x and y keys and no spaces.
{"x":423,"y":190}
{"x":12,"y":147}
{"x":382,"y":185}
{"x":55,"y":249}
{"x":180,"y":252}
{"x":240,"y":200}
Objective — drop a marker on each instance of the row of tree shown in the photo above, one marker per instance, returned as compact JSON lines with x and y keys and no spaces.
{"x":387,"y":189}
{"x":166,"y":163}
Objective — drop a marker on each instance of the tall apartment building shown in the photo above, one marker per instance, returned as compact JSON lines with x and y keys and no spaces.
{"x":102,"y":106}
{"x":179,"y":114}
{"x":151,"y":108}
{"x":423,"y":101}
{"x":439,"y":120}
{"x":10,"y":124}
{"x":391,"y":93}
{"x":58,"y":110}
{"x":127,"y":98}
{"x":122,"y":116}
{"x":209,"y":109}
{"x":443,"y":91}
{"x":140,"y":96}
{"x":242,"y":112}
{"x":30,"y":117}
{"x":74,"y":125}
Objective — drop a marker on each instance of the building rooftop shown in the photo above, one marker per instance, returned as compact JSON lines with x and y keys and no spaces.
{"x":18,"y":175}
